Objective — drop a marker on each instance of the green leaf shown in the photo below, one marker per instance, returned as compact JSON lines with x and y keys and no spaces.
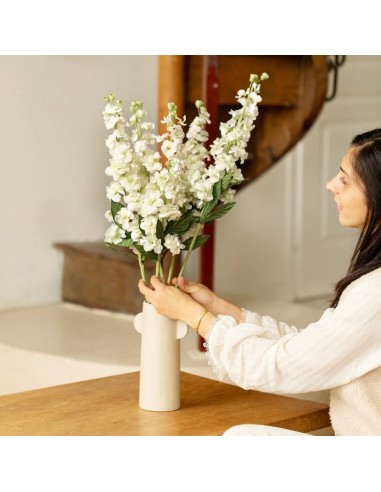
{"x":199,"y":241}
{"x":118,"y":249}
{"x":219,"y":211}
{"x":115,"y":208}
{"x":168,"y":229}
{"x":140,"y":218}
{"x":225,"y":182}
{"x":217,"y":190}
{"x":208,"y":207}
{"x":126,"y":243}
{"x":182,"y":225}
{"x":160,"y":230}
{"x":151,"y":255}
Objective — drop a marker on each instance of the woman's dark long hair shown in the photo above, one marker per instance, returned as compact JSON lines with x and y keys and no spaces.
{"x":366,"y":163}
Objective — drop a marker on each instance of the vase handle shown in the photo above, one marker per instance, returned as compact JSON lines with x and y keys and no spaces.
{"x":138,"y":323}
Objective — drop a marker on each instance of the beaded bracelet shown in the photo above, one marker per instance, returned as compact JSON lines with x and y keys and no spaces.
{"x":196,"y":328}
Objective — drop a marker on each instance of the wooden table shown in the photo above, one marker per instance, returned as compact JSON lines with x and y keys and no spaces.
{"x":109,"y":407}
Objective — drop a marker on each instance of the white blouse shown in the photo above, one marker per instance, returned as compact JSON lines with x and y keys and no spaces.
{"x":267,"y":355}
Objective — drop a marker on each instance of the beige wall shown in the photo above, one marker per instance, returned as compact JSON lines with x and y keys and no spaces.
{"x":52,"y":160}
{"x":253,"y":257}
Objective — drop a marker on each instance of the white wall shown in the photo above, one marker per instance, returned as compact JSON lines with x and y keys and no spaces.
{"x":52,"y":160}
{"x":253,"y":257}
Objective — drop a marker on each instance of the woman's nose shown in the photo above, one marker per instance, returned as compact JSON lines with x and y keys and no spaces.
{"x":331,"y":185}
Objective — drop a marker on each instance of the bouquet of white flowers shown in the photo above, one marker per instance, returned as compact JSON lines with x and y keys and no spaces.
{"x":160,"y":201}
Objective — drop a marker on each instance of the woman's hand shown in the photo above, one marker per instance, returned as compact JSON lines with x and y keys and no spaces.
{"x":204,"y":296}
{"x":199,"y":293}
{"x":171,"y":302}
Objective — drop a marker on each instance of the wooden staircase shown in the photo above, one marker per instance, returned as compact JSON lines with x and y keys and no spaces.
{"x":293,"y":96}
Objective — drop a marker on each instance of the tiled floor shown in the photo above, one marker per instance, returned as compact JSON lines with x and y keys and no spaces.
{"x":61,"y":343}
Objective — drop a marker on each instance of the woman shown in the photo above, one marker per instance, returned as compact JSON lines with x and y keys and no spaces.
{"x":341,"y":351}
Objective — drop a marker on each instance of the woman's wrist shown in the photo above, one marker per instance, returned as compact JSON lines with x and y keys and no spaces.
{"x":205,"y":324}
{"x":194,"y":314}
{"x":220,"y":306}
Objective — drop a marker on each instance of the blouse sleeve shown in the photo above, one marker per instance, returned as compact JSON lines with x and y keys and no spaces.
{"x":342,"y":346}
{"x":272,"y":327}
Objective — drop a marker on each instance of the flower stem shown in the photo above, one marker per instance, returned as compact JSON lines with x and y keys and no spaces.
{"x":188,"y":253}
{"x":141,"y":265}
{"x":170,"y":273}
{"x":157,"y":272}
{"x":138,"y":129}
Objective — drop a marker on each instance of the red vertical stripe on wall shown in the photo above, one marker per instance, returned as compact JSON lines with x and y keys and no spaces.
{"x":210,"y":98}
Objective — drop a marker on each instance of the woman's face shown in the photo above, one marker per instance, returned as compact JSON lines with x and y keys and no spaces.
{"x":348,"y":195}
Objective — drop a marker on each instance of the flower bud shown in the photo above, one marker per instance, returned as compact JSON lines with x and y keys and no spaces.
{"x":264,"y":76}
{"x":135,"y":106}
{"x":172,"y":107}
{"x":253,"y":77}
{"x":199,"y":104}
{"x":110,"y":98}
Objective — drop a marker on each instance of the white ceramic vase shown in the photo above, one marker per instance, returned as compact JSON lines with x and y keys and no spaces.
{"x":159,"y":386}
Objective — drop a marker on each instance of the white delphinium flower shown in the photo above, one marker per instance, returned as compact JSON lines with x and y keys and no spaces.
{"x":131,"y":183}
{"x":195,"y":170}
{"x":137,"y":235}
{"x":133,"y":200}
{"x":236,"y":132}
{"x":152,"y":162}
{"x":141,"y":134}
{"x":109,"y":216}
{"x":152,"y":202}
{"x":173,"y":243}
{"x":124,"y":217}
{"x":196,"y":131}
{"x":172,"y":188}
{"x":111,"y":114}
{"x":148,"y":224}
{"x":121,"y":157}
{"x":228,"y":196}
{"x":151,"y":243}
{"x":170,"y":180}
{"x":173,"y":143}
{"x":114,"y":234}
{"x":115,"y":191}
{"x":169,"y":211}
{"x":154,"y":197}
{"x":203,"y":190}
{"x":132,"y":228}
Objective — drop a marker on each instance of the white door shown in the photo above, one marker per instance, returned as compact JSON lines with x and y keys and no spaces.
{"x":321,"y":247}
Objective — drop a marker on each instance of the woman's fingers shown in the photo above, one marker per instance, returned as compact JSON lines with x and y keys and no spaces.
{"x":143,"y":288}
{"x":155,"y":282}
{"x":180,"y":281}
